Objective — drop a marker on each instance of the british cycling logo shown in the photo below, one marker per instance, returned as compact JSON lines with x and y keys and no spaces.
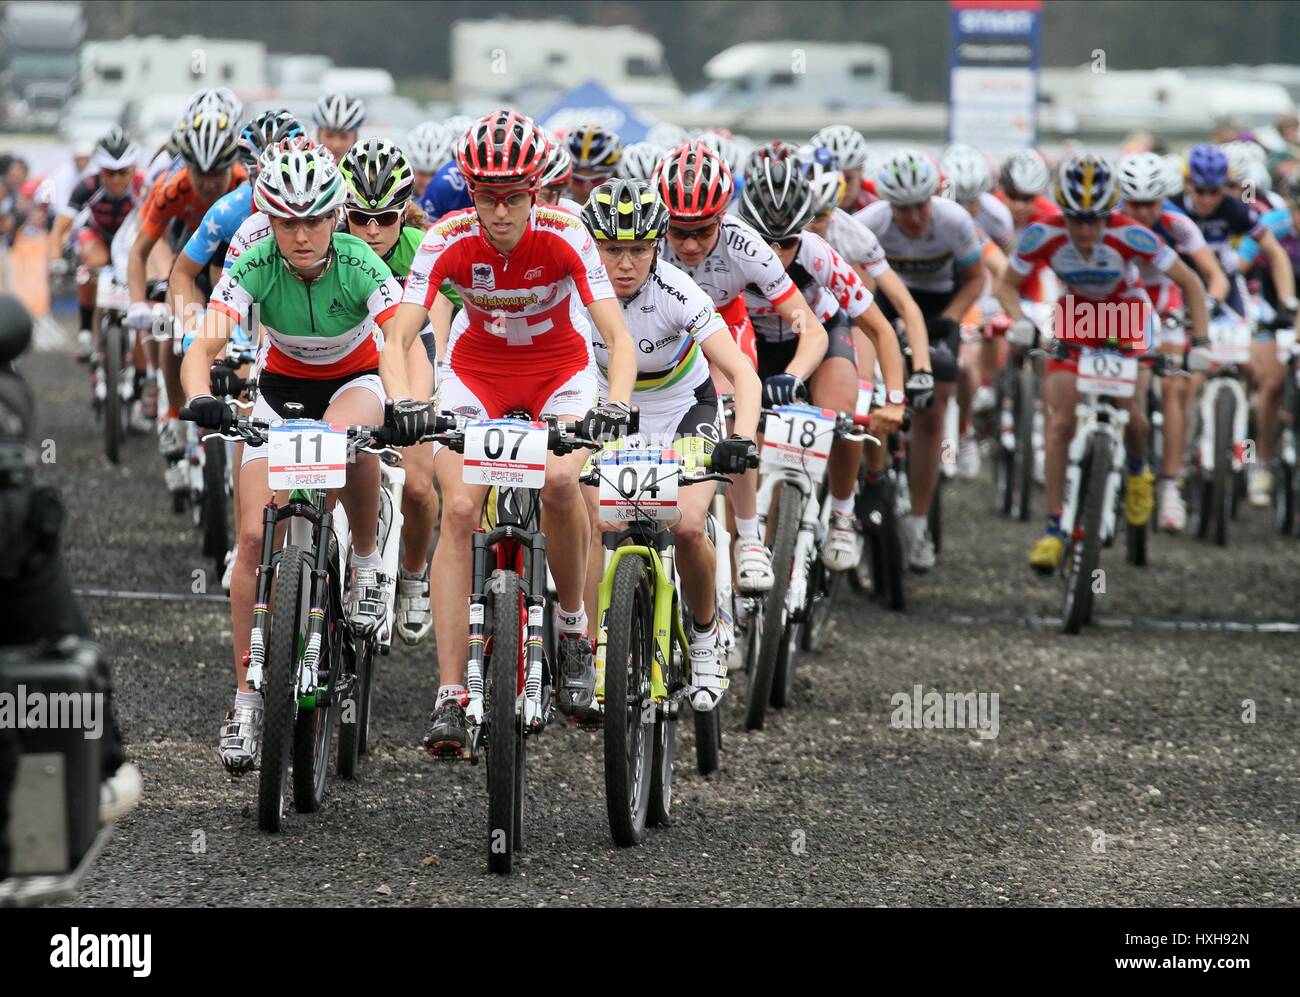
{"x":92,"y":951}
{"x":484,"y":278}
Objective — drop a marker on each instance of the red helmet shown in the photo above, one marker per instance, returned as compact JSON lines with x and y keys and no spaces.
{"x":502,"y":148}
{"x":694,"y":182}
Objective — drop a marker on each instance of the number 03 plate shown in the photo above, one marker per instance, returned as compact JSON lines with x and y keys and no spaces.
{"x":507,"y":452}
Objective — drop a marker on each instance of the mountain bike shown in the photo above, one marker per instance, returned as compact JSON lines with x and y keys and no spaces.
{"x":114,"y":381}
{"x":642,"y":649}
{"x":1286,"y":487}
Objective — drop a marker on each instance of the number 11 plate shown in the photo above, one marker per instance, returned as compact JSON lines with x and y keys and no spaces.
{"x":304,"y":453}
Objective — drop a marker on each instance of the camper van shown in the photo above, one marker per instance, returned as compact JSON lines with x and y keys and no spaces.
{"x":797,"y":75}
{"x":138,"y":68}
{"x":38,"y":45}
{"x":533,"y":62}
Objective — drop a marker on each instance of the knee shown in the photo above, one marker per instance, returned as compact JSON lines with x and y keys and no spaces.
{"x":460,"y":513}
{"x":1060,"y":427}
{"x":250,"y":543}
{"x":690,"y":532}
{"x":562,"y":489}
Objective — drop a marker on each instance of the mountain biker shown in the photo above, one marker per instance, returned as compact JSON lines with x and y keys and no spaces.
{"x":595,"y":152}
{"x":850,"y":150}
{"x":338,"y":120}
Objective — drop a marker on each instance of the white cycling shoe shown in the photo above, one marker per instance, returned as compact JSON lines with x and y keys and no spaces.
{"x":366,"y":601}
{"x":753,"y":567}
{"x":985,"y":399}
{"x":229,"y":573}
{"x":171,"y":439}
{"x":120,"y":793}
{"x":968,"y":455}
{"x":920,"y":546}
{"x":1259,"y":487}
{"x":1171,"y":516}
{"x":843,"y":547}
{"x":708,"y":673}
{"x":241,"y":737}
{"x":414,"y":616}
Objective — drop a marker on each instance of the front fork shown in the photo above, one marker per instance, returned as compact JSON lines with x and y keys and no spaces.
{"x":1240,"y":414}
{"x":1088,"y":424}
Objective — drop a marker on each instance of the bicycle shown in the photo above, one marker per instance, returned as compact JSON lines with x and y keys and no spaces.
{"x":303,"y":657}
{"x":508,"y":671}
{"x":1286,"y":497}
{"x":642,"y":629}
{"x":1094,"y":473}
{"x":795,"y":453}
{"x":115,"y":383}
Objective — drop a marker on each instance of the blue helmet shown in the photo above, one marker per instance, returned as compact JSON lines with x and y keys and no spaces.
{"x":447,"y":191}
{"x":1207,"y":166}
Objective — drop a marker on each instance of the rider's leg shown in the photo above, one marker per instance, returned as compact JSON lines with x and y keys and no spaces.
{"x":255,"y":493}
{"x":462,"y":506}
{"x":924,"y":451}
{"x":696,"y":558}
{"x":834,"y":386}
{"x":1269,"y":375}
{"x":565,"y":521}
{"x":419,"y":499}
{"x":595,"y":560}
{"x":360,"y":496}
{"x":1060,"y":398}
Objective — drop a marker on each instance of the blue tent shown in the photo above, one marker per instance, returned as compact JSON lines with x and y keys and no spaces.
{"x":591,"y":103}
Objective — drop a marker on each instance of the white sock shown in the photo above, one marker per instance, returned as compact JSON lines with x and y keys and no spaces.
{"x":842,"y":506}
{"x":371,"y":560}
{"x":446,"y":692}
{"x":747,"y":529}
{"x":919,"y":523}
{"x":571,"y":623}
{"x":248,"y":698}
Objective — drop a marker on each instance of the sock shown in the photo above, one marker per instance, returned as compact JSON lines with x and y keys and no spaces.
{"x":1054,"y":526}
{"x":747,"y":529}
{"x":411,"y":575}
{"x":702,"y":630}
{"x":919,"y":523}
{"x":446,"y":692}
{"x":842,"y":506}
{"x":371,"y":560}
{"x":571,"y":623}
{"x":248,"y":698}
{"x":1137,"y":465}
{"x":87,"y":313}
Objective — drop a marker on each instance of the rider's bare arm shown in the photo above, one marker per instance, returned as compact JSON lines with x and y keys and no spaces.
{"x":812,"y":336}
{"x":1280,"y":266}
{"x":1007,"y":291}
{"x":1194,"y":295}
{"x":972,"y":286}
{"x":893,"y":288}
{"x":137,"y":267}
{"x":722,"y":353}
{"x":205,"y":349}
{"x":607,"y":313}
{"x":400,"y":332}
{"x":1207,"y":265}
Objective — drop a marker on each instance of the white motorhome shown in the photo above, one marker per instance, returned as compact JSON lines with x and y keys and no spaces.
{"x":138,"y":68}
{"x":504,"y":59}
{"x":794,"y":75}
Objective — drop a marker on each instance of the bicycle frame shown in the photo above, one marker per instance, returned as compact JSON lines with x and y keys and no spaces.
{"x":1224,"y":381}
{"x":1094,"y":415}
{"x":810,"y":525}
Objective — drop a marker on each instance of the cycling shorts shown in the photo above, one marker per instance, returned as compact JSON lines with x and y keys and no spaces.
{"x":774,"y":357}
{"x":945,"y":336}
{"x":666,"y":416}
{"x":273,"y":390}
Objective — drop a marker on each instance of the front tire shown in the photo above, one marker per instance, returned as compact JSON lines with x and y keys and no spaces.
{"x":629,"y":710}
{"x":503,"y":725}
{"x":1086,"y":551}
{"x":280,"y":696}
{"x":789,"y":509}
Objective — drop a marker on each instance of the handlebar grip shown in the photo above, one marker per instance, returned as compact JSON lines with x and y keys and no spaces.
{"x":185,"y":414}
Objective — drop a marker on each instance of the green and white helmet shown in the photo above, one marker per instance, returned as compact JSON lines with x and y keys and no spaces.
{"x":297,"y":182}
{"x":378,"y":175}
{"x":625,"y":210}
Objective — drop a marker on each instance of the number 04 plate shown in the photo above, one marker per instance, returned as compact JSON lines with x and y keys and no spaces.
{"x":507,"y":452}
{"x":638,"y":484}
{"x":304,"y":453}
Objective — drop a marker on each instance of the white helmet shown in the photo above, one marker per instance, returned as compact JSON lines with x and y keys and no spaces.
{"x":907,"y":177}
{"x":826,"y":180}
{"x":1175,"y":169}
{"x":429,"y":147}
{"x":1241,"y":155}
{"x":296,"y":182}
{"x":220,"y":99}
{"x":1257,"y":176}
{"x":847,"y":143}
{"x":967,"y":173}
{"x":1024,"y":172}
{"x":339,"y":112}
{"x":458,"y":125}
{"x":640,"y":160}
{"x":725,"y":148}
{"x":667,"y":136}
{"x":1143,"y":177}
{"x":208,"y":140}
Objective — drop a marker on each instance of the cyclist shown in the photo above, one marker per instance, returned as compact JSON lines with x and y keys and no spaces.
{"x":445,"y":193}
{"x":680,"y":334}
{"x":555,"y":179}
{"x":106,"y":197}
{"x":640,"y":160}
{"x":1143,"y":183}
{"x":850,"y":150}
{"x":777,"y":203}
{"x":324,"y":358}
{"x":1094,"y":251}
{"x":429,"y":148}
{"x":933,"y":245}
{"x":523,"y":345}
{"x":724,"y":256}
{"x":1221,"y":217}
{"x":595,"y":152}
{"x":381,"y":213}
{"x":208,"y":145}
{"x":338,"y":119}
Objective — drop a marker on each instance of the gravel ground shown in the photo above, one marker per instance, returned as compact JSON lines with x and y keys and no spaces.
{"x":1122,"y":774}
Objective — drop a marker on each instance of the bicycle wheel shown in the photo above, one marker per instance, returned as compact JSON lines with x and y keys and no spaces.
{"x":661,"y":771}
{"x":280,"y":695}
{"x":114,"y":348}
{"x":216,"y":534}
{"x":888,"y":556}
{"x":1022,"y":483}
{"x":354,"y":725}
{"x":501,"y":693}
{"x":313,"y":733}
{"x":823,"y":588}
{"x":1222,"y":484}
{"x":629,"y":710}
{"x":789,"y":509}
{"x":1085,"y":550}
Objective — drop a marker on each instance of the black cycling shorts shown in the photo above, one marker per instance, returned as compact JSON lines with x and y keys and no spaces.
{"x":945,"y":334}
{"x":314,"y":396}
{"x":774,"y":357}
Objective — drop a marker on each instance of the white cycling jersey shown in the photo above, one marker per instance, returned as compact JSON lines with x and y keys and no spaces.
{"x":930,"y":262}
{"x":994,"y":219}
{"x":668,"y":319}
{"x":856,"y":243}
{"x":740,"y":259}
{"x":827,"y":282}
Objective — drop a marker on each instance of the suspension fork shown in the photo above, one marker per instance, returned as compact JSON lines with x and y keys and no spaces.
{"x":535,"y":600}
{"x":477,"y":626}
{"x":262,"y":599}
{"x":310,"y":677}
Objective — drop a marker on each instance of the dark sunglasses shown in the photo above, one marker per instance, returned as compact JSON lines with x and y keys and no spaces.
{"x":694,"y":232}
{"x":789,"y":242}
{"x":1206,"y":190}
{"x":382,"y":218}
{"x":1086,"y":217}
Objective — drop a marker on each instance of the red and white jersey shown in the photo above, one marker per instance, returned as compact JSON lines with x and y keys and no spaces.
{"x":827,"y":282}
{"x":1109,"y":272}
{"x":520,"y":307}
{"x":740,"y":260}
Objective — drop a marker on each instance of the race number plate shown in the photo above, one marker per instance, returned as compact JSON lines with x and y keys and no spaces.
{"x":1230,"y":339}
{"x":1105,"y":372}
{"x":638,"y":484}
{"x":798,"y":437}
{"x":110,"y":294}
{"x":304,"y":453}
{"x":866,"y":394}
{"x":507,"y":452}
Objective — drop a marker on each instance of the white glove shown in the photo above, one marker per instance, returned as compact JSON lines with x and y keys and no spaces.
{"x":58,"y":266}
{"x":1022,"y":332}
{"x":139,"y":316}
{"x":1199,"y":359}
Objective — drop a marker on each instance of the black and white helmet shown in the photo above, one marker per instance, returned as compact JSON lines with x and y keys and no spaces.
{"x":559,"y":166}
{"x":339,"y":112}
{"x":907,"y":177}
{"x":430,"y":146}
{"x":207,"y":140}
{"x":777,"y":199}
{"x":219,"y":99}
{"x":848,"y":145}
{"x":114,"y":151}
{"x":1143,"y":177}
{"x":1024,"y":173}
{"x":640,"y":160}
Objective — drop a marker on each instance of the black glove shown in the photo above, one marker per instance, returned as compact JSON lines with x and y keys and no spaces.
{"x":781,"y":389}
{"x":734,"y":455}
{"x":919,"y":390}
{"x":209,"y":413}
{"x":943,"y":329}
{"x":606,"y":422}
{"x":1285,"y":317}
{"x":223,"y":381}
{"x":410,"y":421}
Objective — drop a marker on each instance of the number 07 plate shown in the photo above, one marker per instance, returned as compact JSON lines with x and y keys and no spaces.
{"x":507,"y":452}
{"x":304,"y":453}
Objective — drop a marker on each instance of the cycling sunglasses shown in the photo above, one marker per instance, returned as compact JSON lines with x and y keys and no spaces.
{"x":381,"y":218}
{"x":1086,"y":217}
{"x":789,"y":242}
{"x":1206,"y":190}
{"x":698,"y":232}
